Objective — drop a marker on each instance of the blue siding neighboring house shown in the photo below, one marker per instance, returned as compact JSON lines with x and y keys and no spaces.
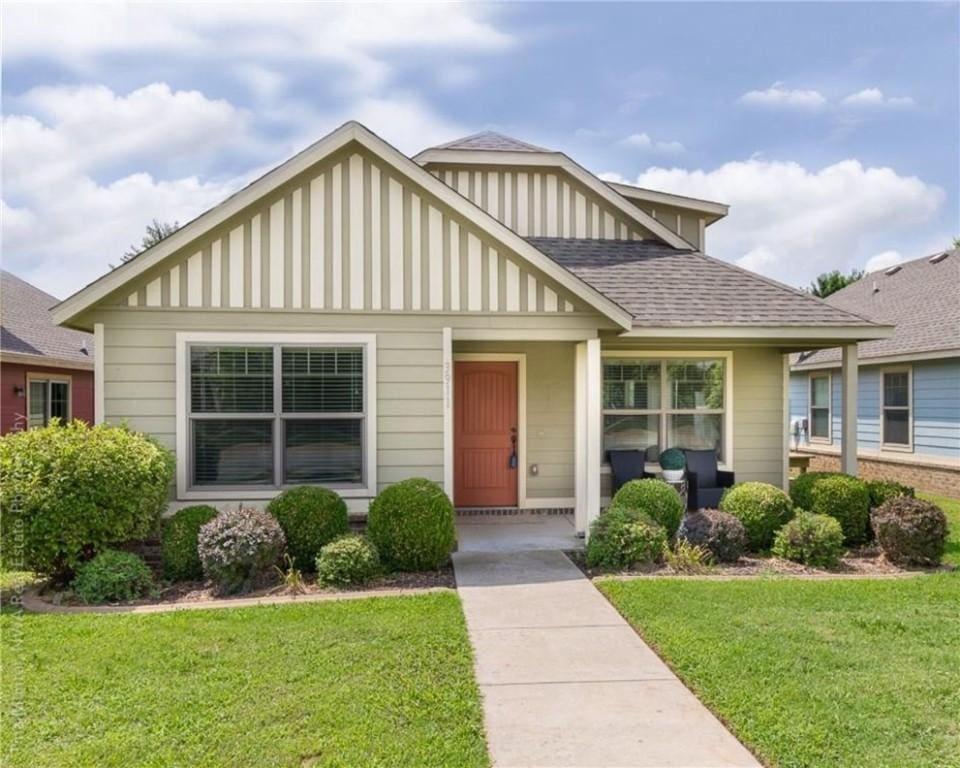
{"x":908,"y":420}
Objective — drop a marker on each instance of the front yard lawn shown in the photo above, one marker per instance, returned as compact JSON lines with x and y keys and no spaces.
{"x":372,"y":682}
{"x":815,"y":672}
{"x":952,"y":508}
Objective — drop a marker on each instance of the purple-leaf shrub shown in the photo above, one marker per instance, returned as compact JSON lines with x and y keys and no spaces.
{"x":238,"y":547}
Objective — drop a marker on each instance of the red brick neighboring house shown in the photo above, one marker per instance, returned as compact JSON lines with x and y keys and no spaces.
{"x":45,"y":371}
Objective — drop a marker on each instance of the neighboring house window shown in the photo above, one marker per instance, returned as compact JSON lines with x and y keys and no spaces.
{"x":276,"y":414}
{"x":662,"y":404}
{"x":47,"y":399}
{"x":820,"y":407}
{"x":896,"y":416}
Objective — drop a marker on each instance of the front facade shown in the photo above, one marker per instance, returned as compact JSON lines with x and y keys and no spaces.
{"x":488,"y":315}
{"x":46,"y":372}
{"x":908,"y":413}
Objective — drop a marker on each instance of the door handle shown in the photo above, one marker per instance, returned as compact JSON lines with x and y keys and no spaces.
{"x":513,"y":461}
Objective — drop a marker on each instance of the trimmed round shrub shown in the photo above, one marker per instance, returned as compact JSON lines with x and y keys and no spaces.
{"x":623,"y":537}
{"x":881,"y":490}
{"x":348,"y":560}
{"x":801,"y":488}
{"x":655,"y":498}
{"x":846,"y":499}
{"x":178,"y":542}
{"x":720,"y":533}
{"x":762,"y":508}
{"x":411,"y":523}
{"x":238,"y":547}
{"x":810,"y":539}
{"x":112,"y":577}
{"x":910,"y":531}
{"x":310,"y":517}
{"x":70,"y":491}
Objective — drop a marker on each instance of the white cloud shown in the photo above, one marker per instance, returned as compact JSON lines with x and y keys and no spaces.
{"x":457,"y":76}
{"x":356,"y":36}
{"x":778,"y":96}
{"x":792,"y":223}
{"x":883,"y":260}
{"x":874,"y":98}
{"x":83,"y":129}
{"x":644,"y":142}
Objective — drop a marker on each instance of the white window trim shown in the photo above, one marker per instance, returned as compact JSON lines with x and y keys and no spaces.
{"x":897,"y":447}
{"x":184,"y":339}
{"x":828,"y":440}
{"x":520,"y":358}
{"x":658,"y":354}
{"x":60,"y":378}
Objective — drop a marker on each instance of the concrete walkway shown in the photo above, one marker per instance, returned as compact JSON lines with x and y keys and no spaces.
{"x":567,"y":682}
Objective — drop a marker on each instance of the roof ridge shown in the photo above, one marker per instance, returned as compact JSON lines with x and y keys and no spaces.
{"x":457,"y":143}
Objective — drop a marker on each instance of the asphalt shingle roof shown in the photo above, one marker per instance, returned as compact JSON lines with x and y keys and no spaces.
{"x":921,"y":297}
{"x":26,"y":327}
{"x":493,"y":141}
{"x":662,"y":286}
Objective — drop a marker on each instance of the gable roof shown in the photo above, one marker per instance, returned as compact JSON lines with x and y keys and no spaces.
{"x":491,"y":141}
{"x":70,"y":308}
{"x":661,"y":286}
{"x":542,"y":158}
{"x":921,"y":297}
{"x":27,"y":329}
{"x":711,"y":211}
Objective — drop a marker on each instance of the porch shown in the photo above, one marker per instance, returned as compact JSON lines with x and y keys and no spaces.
{"x":516,"y":530}
{"x":528,"y":419}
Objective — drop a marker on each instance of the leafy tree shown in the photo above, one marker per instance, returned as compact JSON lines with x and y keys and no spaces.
{"x":156,"y":231}
{"x":831,"y":282}
{"x":956,"y":242}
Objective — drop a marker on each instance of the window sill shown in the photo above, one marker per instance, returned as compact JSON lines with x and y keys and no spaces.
{"x":260,"y":494}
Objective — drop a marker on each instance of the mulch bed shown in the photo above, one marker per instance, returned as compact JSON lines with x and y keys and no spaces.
{"x":862,"y":562}
{"x":200,"y":591}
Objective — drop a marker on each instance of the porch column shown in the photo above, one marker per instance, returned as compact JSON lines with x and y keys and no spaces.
{"x":447,"y":384}
{"x":587,"y":431}
{"x":848,"y":454}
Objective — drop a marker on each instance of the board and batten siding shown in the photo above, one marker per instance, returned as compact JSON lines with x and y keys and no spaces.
{"x":935,"y":407}
{"x":349,"y":235}
{"x":536,"y":202}
{"x":684,"y":223}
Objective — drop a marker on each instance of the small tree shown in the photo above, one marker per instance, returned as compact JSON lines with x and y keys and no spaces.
{"x":831,"y":282}
{"x":156,"y":231}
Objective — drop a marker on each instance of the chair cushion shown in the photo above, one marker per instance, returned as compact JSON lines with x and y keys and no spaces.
{"x":627,"y":465}
{"x":704,"y":463}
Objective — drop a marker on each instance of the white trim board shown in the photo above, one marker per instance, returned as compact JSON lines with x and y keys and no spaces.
{"x":68,"y":310}
{"x":866,"y":362}
{"x":520,"y":358}
{"x":184,"y":338}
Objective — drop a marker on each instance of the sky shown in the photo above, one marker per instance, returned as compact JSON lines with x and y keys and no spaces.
{"x":832,"y":130}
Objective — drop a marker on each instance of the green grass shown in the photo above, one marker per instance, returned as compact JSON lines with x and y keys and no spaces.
{"x":374,"y":682}
{"x":952,"y":508}
{"x":826,"y":673}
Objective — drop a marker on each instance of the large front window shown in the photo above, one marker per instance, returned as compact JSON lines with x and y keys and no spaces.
{"x":657,"y":404}
{"x":272,"y":415}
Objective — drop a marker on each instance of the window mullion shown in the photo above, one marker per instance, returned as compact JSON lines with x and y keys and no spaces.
{"x":278,"y":436}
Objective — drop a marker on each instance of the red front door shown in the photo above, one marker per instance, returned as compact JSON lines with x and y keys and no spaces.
{"x":484,"y":434}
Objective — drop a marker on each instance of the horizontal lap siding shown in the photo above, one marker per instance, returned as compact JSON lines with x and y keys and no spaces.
{"x":140,"y":389}
{"x":936,"y":407}
{"x":758,"y":415}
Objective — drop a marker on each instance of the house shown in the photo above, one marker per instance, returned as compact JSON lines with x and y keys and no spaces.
{"x":908,"y":416}
{"x":487,"y":314}
{"x":45,"y":371}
